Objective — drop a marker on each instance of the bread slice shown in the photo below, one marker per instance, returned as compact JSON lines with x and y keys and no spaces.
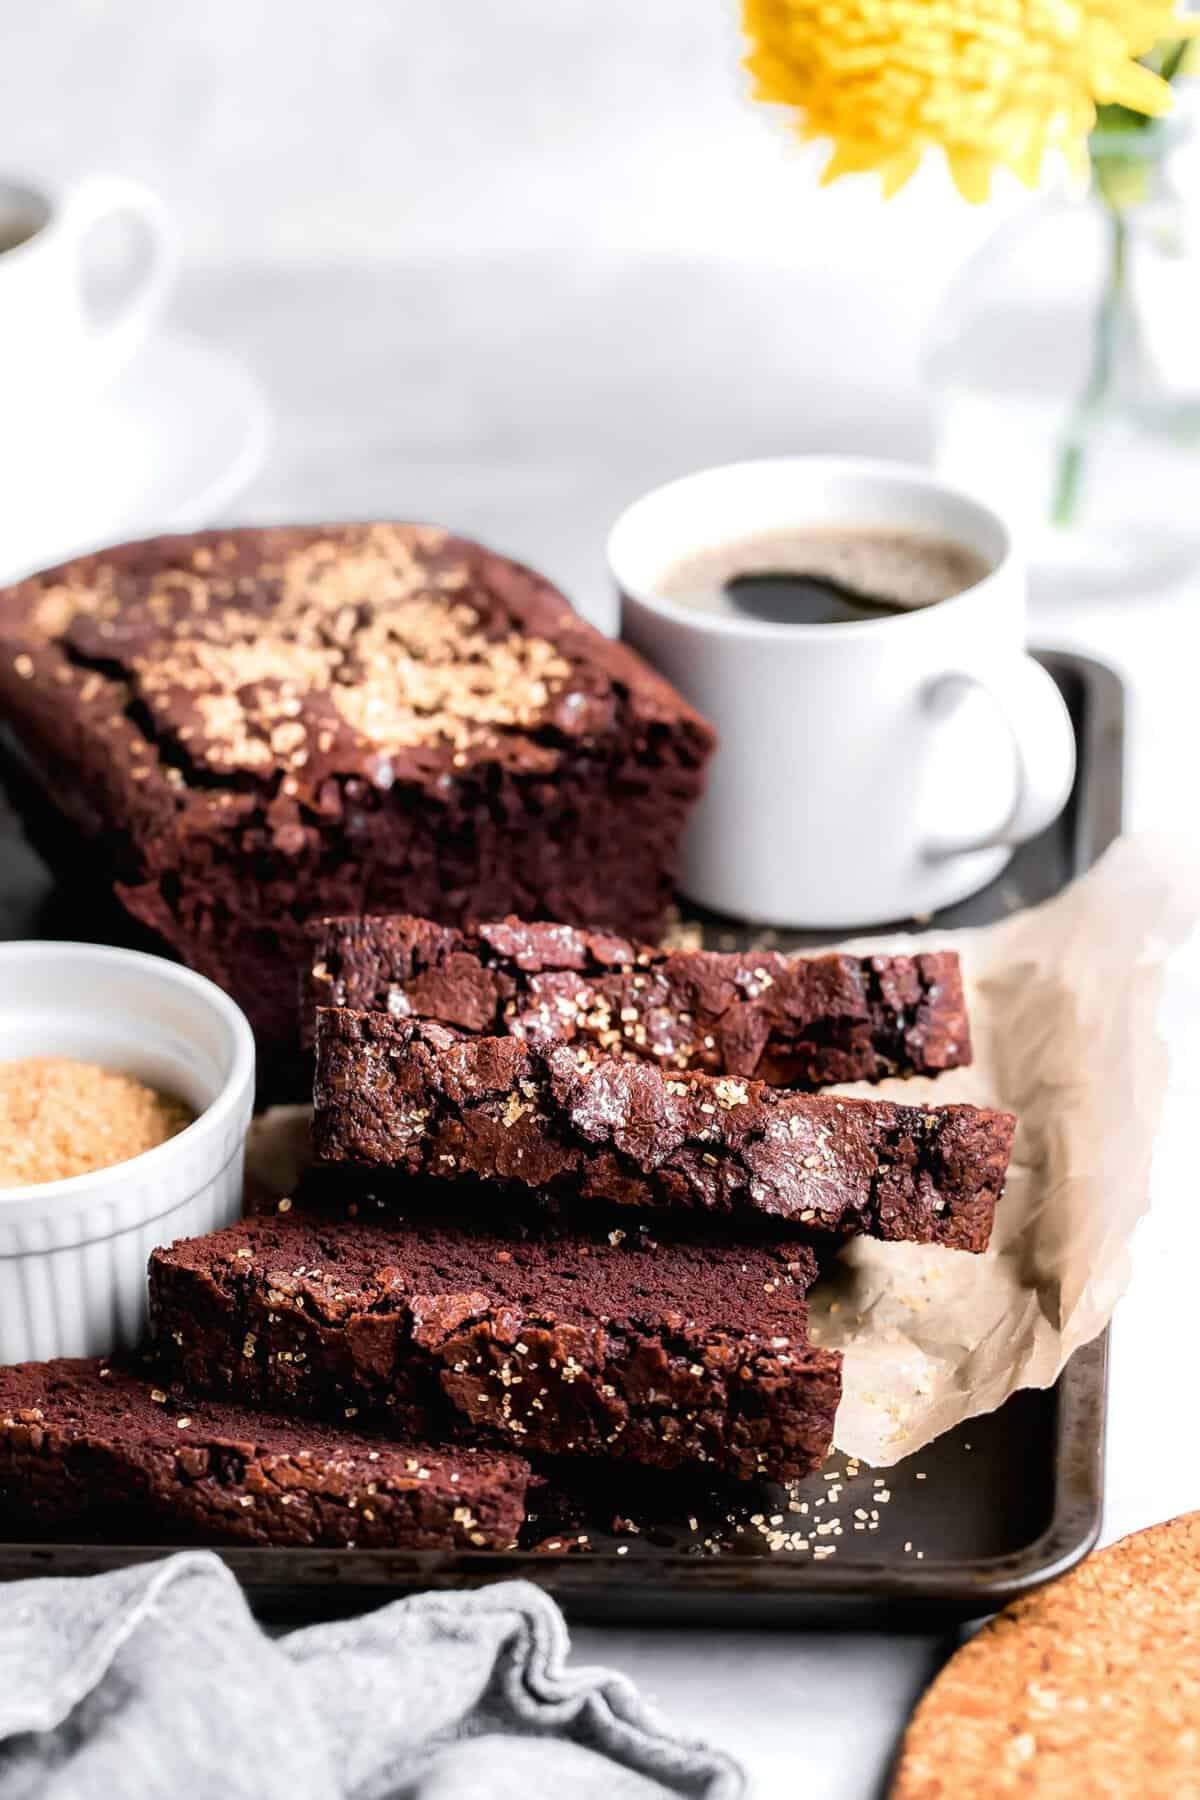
{"x":559,"y":1342}
{"x":82,"y":1441}
{"x":413,"y":1097}
{"x":792,"y":1021}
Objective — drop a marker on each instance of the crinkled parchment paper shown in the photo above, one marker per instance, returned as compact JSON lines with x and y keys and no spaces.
{"x":1062,"y":999}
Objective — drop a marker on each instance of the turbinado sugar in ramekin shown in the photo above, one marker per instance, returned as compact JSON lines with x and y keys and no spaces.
{"x":59,"y":1117}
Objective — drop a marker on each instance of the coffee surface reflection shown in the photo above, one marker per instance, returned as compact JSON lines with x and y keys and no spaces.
{"x":832,"y":577}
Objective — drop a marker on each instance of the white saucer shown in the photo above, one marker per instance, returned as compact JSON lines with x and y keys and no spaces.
{"x":168,"y":448}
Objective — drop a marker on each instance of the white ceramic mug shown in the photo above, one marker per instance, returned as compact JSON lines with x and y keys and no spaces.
{"x":56,"y":347}
{"x":868,"y":771}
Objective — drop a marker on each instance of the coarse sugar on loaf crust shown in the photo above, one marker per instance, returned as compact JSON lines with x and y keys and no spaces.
{"x":563,"y":1342}
{"x":89,"y":1441}
{"x":252,"y":728}
{"x":793,"y":1021}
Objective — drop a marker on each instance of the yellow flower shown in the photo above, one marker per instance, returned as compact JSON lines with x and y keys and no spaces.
{"x":990,"y":81}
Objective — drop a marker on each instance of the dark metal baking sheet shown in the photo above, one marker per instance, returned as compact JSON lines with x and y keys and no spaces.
{"x":994,"y":1507}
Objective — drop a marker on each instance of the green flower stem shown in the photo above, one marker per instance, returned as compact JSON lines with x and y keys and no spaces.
{"x":1124,"y":147}
{"x":1069,"y":476}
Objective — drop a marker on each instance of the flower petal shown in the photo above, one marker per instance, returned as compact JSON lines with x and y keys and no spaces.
{"x":971,"y":173}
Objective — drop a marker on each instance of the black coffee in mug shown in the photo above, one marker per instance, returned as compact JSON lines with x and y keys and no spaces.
{"x":834,"y":576}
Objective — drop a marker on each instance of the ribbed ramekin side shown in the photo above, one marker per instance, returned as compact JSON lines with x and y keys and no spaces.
{"x":74,"y":1284}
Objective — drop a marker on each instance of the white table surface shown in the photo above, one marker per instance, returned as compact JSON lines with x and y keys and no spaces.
{"x":524,"y":402}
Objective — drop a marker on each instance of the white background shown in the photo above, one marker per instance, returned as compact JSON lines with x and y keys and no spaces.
{"x":389,"y":128}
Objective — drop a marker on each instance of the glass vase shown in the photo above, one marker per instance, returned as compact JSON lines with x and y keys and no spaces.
{"x":1065,"y":372}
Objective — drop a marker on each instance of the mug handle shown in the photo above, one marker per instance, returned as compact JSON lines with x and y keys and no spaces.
{"x":1043,"y":742}
{"x":93,"y":202}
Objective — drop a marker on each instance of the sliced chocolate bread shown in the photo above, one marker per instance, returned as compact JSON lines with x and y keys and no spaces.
{"x":563,"y":1343}
{"x":802,"y":1022}
{"x":398,"y":1094}
{"x":88,"y":1441}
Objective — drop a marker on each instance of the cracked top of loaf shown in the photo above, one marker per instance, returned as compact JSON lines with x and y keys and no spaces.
{"x":227,"y":660}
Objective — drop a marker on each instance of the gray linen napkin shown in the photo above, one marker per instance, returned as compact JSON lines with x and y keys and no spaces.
{"x":156,"y":1681}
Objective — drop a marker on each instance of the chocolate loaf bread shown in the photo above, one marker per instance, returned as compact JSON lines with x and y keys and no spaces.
{"x":252,"y":728}
{"x":566,"y":1344}
{"x":88,"y":1442}
{"x":416,"y":1098}
{"x":802,"y":1022}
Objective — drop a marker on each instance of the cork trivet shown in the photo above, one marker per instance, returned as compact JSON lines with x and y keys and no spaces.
{"x":1090,"y":1686}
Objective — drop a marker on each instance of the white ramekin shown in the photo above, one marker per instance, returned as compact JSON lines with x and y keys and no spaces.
{"x":73,"y":1253}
